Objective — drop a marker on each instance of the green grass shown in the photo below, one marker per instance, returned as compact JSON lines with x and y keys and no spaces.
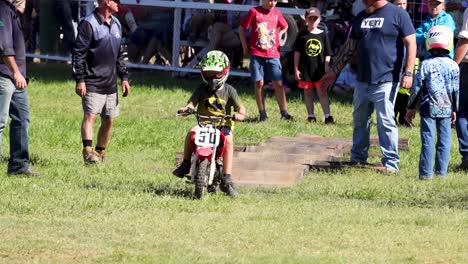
{"x":131,"y":209}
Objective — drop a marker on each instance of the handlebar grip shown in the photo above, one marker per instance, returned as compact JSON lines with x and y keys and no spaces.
{"x":189,"y":111}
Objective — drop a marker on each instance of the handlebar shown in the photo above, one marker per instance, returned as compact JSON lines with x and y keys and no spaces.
{"x":204,"y":118}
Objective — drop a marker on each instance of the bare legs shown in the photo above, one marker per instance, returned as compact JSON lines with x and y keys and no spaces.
{"x":105,"y":131}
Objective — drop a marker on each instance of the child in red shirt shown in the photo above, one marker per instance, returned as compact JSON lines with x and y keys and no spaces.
{"x":267,"y":25}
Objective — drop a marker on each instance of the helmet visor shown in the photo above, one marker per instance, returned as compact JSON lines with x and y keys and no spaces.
{"x":209,"y":75}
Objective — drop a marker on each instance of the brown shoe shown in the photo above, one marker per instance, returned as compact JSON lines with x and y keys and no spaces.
{"x":90,"y":156}
{"x":25,"y":173}
{"x":101,"y":154}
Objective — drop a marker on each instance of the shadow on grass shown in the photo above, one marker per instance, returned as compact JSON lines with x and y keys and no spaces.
{"x":155,"y":189}
{"x":453,"y":200}
{"x":33,"y":160}
{"x":166,"y":189}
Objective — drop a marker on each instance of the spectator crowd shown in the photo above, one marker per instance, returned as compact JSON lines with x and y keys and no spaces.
{"x":387,"y":56}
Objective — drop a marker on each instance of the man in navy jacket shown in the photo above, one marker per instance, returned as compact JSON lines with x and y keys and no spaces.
{"x":98,"y":58}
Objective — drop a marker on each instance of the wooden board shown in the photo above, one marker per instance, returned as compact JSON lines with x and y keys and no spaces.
{"x":284,"y":161}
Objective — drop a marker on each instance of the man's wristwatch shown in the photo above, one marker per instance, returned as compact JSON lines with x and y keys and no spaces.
{"x":408,"y":73}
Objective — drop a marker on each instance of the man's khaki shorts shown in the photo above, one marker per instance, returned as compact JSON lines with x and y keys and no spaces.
{"x":106,"y":105}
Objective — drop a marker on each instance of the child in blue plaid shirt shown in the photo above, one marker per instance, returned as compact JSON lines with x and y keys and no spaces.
{"x":436,"y":84}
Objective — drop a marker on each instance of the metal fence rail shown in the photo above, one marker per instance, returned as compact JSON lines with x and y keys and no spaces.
{"x":177,"y":5}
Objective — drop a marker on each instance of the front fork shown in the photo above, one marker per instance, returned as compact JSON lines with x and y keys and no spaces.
{"x":212,"y":167}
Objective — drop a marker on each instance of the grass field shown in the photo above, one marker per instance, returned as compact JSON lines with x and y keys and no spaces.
{"x":130,"y":209}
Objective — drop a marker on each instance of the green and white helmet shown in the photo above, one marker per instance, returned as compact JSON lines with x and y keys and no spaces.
{"x":215,"y":61}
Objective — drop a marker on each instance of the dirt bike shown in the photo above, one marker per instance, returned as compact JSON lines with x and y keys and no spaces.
{"x":207,"y":146}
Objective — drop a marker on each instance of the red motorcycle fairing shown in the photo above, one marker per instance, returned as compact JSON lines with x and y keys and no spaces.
{"x":205,"y":152}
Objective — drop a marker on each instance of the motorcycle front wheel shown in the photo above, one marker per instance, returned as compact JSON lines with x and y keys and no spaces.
{"x":201,"y":178}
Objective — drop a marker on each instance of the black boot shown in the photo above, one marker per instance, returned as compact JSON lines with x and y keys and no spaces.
{"x":227,"y":186}
{"x":183,"y":169}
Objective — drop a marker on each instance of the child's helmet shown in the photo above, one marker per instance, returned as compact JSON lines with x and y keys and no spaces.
{"x":215,"y":61}
{"x":439,"y":37}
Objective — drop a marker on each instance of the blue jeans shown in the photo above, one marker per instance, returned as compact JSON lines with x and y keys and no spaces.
{"x":462,"y":133}
{"x":65,"y":16}
{"x":380,"y":97}
{"x":15,"y":103}
{"x":462,"y":114}
{"x":444,"y":141}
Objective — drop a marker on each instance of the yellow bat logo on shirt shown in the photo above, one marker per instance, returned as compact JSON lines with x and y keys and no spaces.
{"x":313,"y":47}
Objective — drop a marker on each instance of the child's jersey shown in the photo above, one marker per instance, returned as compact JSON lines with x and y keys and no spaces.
{"x":313,"y":49}
{"x":437,"y":81}
{"x":264,"y":37}
{"x":218,"y":103}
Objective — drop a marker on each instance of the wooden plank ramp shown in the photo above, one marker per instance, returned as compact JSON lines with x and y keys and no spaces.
{"x":284,"y":161}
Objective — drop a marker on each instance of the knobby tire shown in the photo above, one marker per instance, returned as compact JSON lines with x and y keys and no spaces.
{"x":201,"y":178}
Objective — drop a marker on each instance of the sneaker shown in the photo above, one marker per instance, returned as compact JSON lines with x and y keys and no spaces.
{"x":262,"y":117}
{"x":227,"y":186}
{"x":329,"y":120}
{"x":384,"y":170}
{"x":25,"y":173}
{"x":287,"y":117}
{"x":182,"y":170}
{"x":102,"y":154}
{"x":90,"y":156}
{"x":311,"y":119}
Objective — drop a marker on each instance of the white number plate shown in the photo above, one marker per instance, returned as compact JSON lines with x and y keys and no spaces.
{"x":207,"y":136}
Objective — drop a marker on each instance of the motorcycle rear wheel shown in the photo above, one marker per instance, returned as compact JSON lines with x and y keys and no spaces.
{"x":201,"y":178}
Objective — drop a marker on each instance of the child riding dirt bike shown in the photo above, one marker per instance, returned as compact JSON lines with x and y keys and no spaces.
{"x":214,"y":97}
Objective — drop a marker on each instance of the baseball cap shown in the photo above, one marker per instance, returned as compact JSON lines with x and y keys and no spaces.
{"x":312,"y":12}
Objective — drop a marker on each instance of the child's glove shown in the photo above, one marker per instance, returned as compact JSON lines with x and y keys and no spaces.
{"x":239,"y":117}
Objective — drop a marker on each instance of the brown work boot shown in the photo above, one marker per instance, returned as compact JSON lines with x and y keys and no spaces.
{"x":102,"y":154}
{"x":90,"y":156}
